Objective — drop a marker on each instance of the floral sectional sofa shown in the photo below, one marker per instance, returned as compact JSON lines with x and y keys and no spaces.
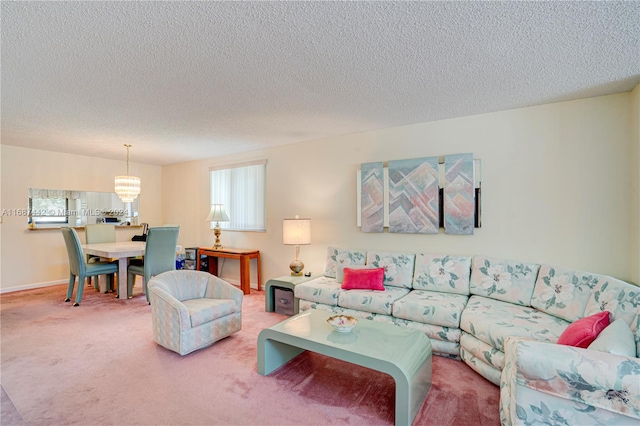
{"x":503,"y":318}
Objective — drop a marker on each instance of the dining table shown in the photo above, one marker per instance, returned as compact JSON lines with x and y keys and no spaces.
{"x":121,"y":250}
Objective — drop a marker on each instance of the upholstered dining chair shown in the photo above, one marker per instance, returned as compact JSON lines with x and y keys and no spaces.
{"x":193,"y":309}
{"x":98,"y":233}
{"x":78,"y":267}
{"x":159,"y":257}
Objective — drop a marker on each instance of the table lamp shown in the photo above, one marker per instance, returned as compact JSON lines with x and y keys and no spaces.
{"x":296,"y":232}
{"x":217,"y":215}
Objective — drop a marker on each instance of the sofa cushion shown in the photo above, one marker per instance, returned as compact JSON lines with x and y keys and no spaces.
{"x":205,"y":310}
{"x":337,"y":256}
{"x":431,"y":307}
{"x":493,"y":320}
{"x":322,"y":290}
{"x":447,"y":274}
{"x":363,"y":279}
{"x":563,"y":292}
{"x":502,"y":279}
{"x":379,"y":302}
{"x":615,"y":339}
{"x":398,"y":267}
{"x":618,"y":297}
{"x":584,"y":331}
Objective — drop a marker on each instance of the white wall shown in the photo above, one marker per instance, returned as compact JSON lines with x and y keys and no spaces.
{"x":33,"y":258}
{"x":556,"y":189}
{"x":634,"y":249}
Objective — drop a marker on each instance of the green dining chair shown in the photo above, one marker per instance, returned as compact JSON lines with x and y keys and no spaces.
{"x":78,"y":267}
{"x":98,"y":233}
{"x":159,"y":257}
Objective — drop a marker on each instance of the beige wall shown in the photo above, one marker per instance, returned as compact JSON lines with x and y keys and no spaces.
{"x":560,"y":186}
{"x":34,"y":258}
{"x":634,"y":249}
{"x":556,"y":189}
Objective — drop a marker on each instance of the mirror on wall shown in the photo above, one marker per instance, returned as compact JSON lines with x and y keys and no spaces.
{"x":50,"y":208}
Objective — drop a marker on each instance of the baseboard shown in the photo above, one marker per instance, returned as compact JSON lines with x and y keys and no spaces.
{"x":58,"y":282}
{"x":32,"y":286}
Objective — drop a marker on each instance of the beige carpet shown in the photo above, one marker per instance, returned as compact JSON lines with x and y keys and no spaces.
{"x":97,"y":364}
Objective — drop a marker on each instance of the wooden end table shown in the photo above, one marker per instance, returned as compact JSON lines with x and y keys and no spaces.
{"x":243,"y":255}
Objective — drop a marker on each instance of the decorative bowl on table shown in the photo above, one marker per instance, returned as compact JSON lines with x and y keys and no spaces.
{"x":342,"y":323}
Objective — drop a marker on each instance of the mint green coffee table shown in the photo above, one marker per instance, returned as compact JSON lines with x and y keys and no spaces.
{"x":401,"y":352}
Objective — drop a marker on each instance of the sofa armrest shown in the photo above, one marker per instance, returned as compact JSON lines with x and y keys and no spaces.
{"x":542,"y":381}
{"x":166,"y":308}
{"x":218,"y":288}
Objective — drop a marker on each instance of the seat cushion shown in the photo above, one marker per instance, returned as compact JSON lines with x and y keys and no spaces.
{"x":491,"y":321}
{"x":321,"y":290}
{"x":379,"y":302}
{"x":431,"y":307}
{"x":205,"y":310}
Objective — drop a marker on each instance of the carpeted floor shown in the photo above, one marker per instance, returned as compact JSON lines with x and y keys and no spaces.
{"x":97,"y":364}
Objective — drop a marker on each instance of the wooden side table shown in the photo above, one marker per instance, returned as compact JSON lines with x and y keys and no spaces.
{"x":287,"y":281}
{"x":243,"y":255}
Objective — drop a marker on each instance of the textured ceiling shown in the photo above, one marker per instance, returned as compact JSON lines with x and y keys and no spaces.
{"x":186,"y":80}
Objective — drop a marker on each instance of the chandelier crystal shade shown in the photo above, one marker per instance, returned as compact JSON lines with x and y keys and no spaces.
{"x":127,"y":187}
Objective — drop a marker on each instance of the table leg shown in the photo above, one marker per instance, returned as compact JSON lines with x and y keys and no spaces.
{"x":122,"y":278}
{"x":245,"y":274}
{"x":258,"y":260}
{"x":273,"y":354}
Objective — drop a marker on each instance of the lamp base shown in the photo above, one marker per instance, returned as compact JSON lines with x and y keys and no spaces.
{"x":296,"y":268}
{"x":216,"y":232}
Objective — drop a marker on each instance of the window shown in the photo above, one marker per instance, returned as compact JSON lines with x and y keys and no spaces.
{"x":49,"y":207}
{"x":241,"y":189}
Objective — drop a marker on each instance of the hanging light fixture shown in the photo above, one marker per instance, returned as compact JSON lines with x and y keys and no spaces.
{"x":127,"y":187}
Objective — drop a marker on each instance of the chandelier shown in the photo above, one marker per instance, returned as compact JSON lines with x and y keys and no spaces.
{"x":127,"y":187}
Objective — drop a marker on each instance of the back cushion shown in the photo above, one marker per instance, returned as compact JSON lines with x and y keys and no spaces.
{"x":398,"y":267}
{"x":446,"y":274}
{"x":563,"y":292}
{"x":502,"y":279}
{"x":337,"y":256}
{"x":621,"y":299}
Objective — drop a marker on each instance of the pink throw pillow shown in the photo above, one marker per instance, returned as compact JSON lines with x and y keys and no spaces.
{"x":363,"y":279}
{"x":583,"y":332}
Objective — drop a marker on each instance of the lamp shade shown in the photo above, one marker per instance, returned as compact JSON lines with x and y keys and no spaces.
{"x":296,"y":231}
{"x":217,"y":214}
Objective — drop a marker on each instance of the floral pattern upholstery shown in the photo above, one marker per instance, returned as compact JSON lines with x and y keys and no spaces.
{"x":502,"y":279}
{"x":321,"y":290}
{"x":379,"y":302}
{"x":491,"y":321}
{"x":431,"y":307}
{"x":541,"y":382}
{"x":563,"y":292}
{"x":398,"y":267}
{"x":447,"y":274}
{"x":545,"y":383}
{"x":337,"y":256}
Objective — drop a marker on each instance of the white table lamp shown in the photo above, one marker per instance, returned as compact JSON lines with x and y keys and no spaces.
{"x":296,"y":232}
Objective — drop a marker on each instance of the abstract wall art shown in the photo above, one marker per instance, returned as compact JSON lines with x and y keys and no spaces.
{"x":414,"y":196}
{"x":372,"y":197}
{"x":459,"y":194}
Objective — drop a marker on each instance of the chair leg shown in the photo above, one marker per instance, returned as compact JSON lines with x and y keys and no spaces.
{"x":131,"y":278}
{"x":72,"y":282}
{"x":80,"y":291}
{"x":110,"y":283}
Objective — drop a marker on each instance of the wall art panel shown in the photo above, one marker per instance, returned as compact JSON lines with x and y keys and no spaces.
{"x":414,"y":196}
{"x":372,"y":197}
{"x":459,"y":194}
